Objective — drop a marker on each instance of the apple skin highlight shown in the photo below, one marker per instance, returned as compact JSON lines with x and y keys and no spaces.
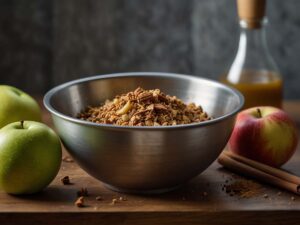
{"x":16,"y":105}
{"x":271,"y":139}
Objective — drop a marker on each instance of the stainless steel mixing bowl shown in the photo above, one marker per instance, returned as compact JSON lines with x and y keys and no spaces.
{"x":143,"y":159}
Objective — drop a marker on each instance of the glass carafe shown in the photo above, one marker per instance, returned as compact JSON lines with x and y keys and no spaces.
{"x":253,"y":71}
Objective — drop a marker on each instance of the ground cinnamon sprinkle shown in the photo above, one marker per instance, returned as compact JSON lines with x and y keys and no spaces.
{"x":145,"y":108}
{"x":243,"y":188}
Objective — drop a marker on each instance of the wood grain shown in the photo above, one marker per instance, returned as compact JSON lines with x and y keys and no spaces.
{"x":186,"y":205}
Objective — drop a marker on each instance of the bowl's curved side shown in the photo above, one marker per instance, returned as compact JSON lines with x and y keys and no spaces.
{"x":144,"y":161}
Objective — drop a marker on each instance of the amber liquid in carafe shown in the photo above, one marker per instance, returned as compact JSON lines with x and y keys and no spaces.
{"x":259,"y":92}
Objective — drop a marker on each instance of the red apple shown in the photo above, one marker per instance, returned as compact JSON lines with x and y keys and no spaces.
{"x":265,"y":134}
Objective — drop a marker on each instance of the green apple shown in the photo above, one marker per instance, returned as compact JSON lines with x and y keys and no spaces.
{"x":30,"y":157}
{"x":16,"y":105}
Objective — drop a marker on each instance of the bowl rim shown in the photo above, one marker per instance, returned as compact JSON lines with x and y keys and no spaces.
{"x":51,"y":92}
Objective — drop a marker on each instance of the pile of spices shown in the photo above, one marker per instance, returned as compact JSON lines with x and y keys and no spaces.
{"x":145,"y":108}
{"x":243,"y":188}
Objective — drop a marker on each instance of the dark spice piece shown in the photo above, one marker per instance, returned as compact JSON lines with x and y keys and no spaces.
{"x":66,"y":180}
{"x":82,"y":192}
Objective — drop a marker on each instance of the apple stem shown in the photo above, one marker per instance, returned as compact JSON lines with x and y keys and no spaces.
{"x":22,"y":124}
{"x":259,"y":112}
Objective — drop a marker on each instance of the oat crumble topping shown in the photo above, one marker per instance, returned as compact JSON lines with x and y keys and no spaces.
{"x":145,"y":108}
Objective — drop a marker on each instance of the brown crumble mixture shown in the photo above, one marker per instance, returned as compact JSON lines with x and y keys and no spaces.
{"x":145,"y":108}
{"x":67,"y":159}
{"x":114,"y":201}
{"x":122,"y":199}
{"x":79,"y":202}
{"x":99,"y":198}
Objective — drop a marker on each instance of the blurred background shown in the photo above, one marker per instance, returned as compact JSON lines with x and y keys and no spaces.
{"x":44,"y":43}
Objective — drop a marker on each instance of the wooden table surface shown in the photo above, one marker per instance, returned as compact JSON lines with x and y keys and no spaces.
{"x":201,"y":201}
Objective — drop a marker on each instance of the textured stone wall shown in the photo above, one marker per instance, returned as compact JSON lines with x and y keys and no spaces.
{"x":26,"y":44}
{"x":44,"y":43}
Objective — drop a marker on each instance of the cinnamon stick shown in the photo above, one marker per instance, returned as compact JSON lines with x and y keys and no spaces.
{"x":256,"y":173}
{"x":263,"y":167}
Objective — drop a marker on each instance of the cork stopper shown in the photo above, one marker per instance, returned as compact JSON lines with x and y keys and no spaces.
{"x":252,"y":12}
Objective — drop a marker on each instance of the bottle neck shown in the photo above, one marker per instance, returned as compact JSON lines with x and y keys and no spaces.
{"x":253,"y":56}
{"x":253,"y":38}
